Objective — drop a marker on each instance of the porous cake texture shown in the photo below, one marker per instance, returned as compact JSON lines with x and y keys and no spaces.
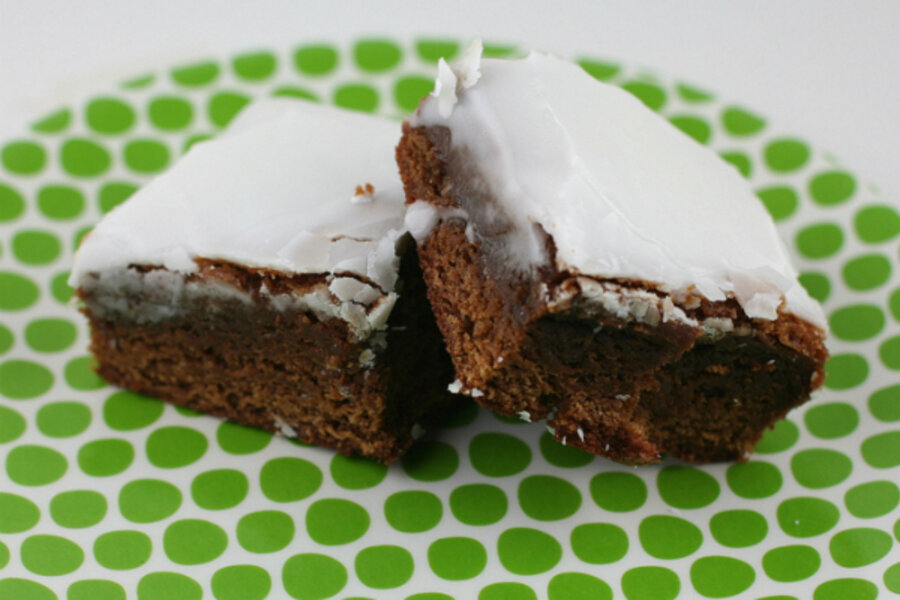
{"x":267,"y":279}
{"x":590,"y":265}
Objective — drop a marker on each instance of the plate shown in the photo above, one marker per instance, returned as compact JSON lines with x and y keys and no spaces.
{"x":107,"y":495}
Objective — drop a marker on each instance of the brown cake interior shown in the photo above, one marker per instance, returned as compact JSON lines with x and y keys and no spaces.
{"x":279,"y":369}
{"x":624,"y":388}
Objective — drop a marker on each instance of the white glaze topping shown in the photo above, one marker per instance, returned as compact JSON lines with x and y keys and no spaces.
{"x":622,"y":192}
{"x":276,"y":190}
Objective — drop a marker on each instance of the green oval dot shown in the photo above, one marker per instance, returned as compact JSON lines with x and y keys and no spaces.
{"x":786,"y":155}
{"x":618,"y":492}
{"x":409,"y":90}
{"x":219,"y":489}
{"x":791,"y":563}
{"x":548,"y":498}
{"x":780,"y":200}
{"x":289,"y":479}
{"x":889,"y":352}
{"x":17,"y":514}
{"x":818,"y":468}
{"x":877,"y":223}
{"x":866,"y":272}
{"x":12,"y":425}
{"x":164,"y":585}
{"x":148,"y":500}
{"x":225,"y":106}
{"x":139,"y":82}
{"x":103,"y":458}
{"x":432,"y":50}
{"x":78,"y":508}
{"x":60,"y":289}
{"x":109,"y":116}
{"x":431,"y":460}
{"x":79,"y":374}
{"x":599,"y":543}
{"x":820,"y":240}
{"x":196,"y":75}
{"x":781,"y":437}
{"x":457,"y":558}
{"x":95,"y":589}
{"x":194,"y":541}
{"x":23,"y":379}
{"x":6,"y":341}
{"x":832,"y":420}
{"x":384,"y":567}
{"x":562,"y":456}
{"x":413,"y":511}
{"x":113,"y":194}
{"x":316,"y":59}
{"x":740,"y":122}
{"x":313,"y":576}
{"x":857,"y":322}
{"x":526,"y":551}
{"x":578,"y":586}
{"x":34,"y":247}
{"x":754,"y":479}
{"x":686,"y":487}
{"x":24,"y":589}
{"x":122,"y":550}
{"x":599,"y":69}
{"x":892,"y":578}
{"x":694,"y":127}
{"x":721,"y":576}
{"x":63,"y":419}
{"x":254,"y":66}
{"x":4,"y":556}
{"x":175,"y":446}
{"x":35,"y":465}
{"x":507,"y":590}
{"x":832,"y":187}
{"x":882,"y":451}
{"x":667,"y":537}
{"x":357,"y":96}
{"x":146,"y":156}
{"x":12,"y":204}
{"x":60,"y":202}
{"x":872,"y":499}
{"x":239,"y":439}
{"x":738,"y":528}
{"x":498,"y":454}
{"x":334,"y":521}
{"x":376,"y":55}
{"x":84,"y":158}
{"x":296,"y":92}
{"x":241,"y":582}
{"x":23,"y":157}
{"x":51,"y":555}
{"x":265,"y":531}
{"x":54,"y":122}
{"x":478,"y":504}
{"x":127,"y":411}
{"x":425,"y":596}
{"x":650,"y":583}
{"x":50,"y":335}
{"x":653,"y":96}
{"x":860,"y":546}
{"x":170,"y":113}
{"x":884,"y":404}
{"x":807,"y":517}
{"x":844,"y":589}
{"x":17,"y":292}
{"x":356,"y":472}
{"x":845,"y":371}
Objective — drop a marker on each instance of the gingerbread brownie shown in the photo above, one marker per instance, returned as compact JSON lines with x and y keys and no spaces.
{"x":266,"y":278}
{"x":590,"y":264}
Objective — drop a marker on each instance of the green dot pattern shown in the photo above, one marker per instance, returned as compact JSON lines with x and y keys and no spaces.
{"x":109,"y":493}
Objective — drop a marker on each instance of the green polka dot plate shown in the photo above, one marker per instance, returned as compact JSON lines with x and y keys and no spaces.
{"x":106,"y":495}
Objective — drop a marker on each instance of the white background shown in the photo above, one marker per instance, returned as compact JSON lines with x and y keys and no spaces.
{"x":828,"y":71}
